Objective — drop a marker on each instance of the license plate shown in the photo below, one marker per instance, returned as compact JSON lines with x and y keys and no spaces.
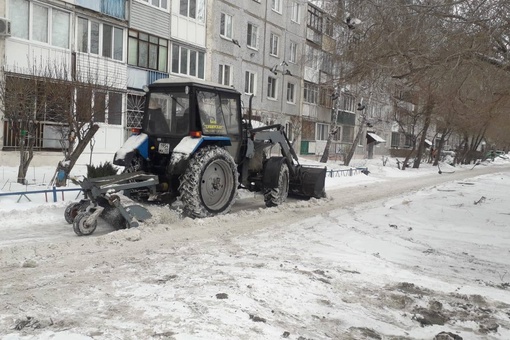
{"x":164,"y":148}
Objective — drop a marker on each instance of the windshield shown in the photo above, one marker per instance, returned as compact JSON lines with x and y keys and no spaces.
{"x":218,"y":115}
{"x":167,"y":114}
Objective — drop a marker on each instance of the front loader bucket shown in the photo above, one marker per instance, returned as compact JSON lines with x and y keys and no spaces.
{"x":310,"y":182}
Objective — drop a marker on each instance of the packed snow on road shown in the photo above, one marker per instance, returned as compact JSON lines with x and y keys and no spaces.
{"x":393,"y":254}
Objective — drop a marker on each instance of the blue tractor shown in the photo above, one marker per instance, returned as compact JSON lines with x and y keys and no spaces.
{"x":194,"y":138}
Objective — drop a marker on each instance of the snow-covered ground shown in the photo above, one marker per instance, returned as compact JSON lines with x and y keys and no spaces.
{"x":392,"y":255}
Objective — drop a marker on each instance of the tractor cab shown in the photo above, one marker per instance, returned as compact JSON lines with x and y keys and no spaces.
{"x":176,"y":111}
{"x":194,"y":108}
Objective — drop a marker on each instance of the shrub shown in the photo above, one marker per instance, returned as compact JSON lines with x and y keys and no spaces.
{"x":106,"y":169}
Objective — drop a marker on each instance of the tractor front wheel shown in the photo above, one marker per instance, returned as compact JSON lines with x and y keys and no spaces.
{"x":209,"y":184}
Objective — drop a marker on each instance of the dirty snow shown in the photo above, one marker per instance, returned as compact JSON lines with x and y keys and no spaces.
{"x":392,"y":255}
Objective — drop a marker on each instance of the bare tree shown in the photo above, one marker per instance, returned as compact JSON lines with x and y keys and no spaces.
{"x":18,"y":97}
{"x":50,"y":94}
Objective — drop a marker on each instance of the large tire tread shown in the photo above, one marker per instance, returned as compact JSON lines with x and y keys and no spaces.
{"x":192,"y":180}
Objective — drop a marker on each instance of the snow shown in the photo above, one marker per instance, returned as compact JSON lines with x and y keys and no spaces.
{"x":132,"y":143}
{"x":187,"y":145}
{"x":395,"y":254}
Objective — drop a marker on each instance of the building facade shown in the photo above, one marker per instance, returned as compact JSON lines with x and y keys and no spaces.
{"x":277,"y":53}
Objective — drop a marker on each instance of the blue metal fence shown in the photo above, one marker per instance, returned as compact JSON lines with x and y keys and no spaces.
{"x":52,"y":191}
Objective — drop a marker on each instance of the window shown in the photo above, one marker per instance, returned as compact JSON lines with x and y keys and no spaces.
{"x":271,"y":87}
{"x":112,"y":42}
{"x":40,"y":23}
{"x":312,"y":57}
{"x":135,"y":105}
{"x":224,"y":75}
{"x":187,"y":61}
{"x":290,"y":93}
{"x":347,"y":134}
{"x":328,"y":27}
{"x":48,"y":25}
{"x":19,"y":18}
{"x":276,"y":5}
{"x":325,"y":95}
{"x":226,"y":26}
{"x":395,"y":139}
{"x":348,"y":103}
{"x":315,"y":18}
{"x":148,"y":51}
{"x":252,"y":36}
{"x":273,"y":44}
{"x":101,"y":107}
{"x":322,"y":131}
{"x":193,"y":9}
{"x":249,"y":83}
{"x":114,"y":108}
{"x":293,"y":52}
{"x":289,"y":131}
{"x":310,"y":93}
{"x":295,"y":12}
{"x":89,"y":36}
{"x":163,"y":4}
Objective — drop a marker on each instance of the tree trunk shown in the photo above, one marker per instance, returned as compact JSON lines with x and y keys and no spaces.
{"x":417,"y":160}
{"x":64,"y":167}
{"x":325,"y":154}
{"x":26,"y":153}
{"x":334,"y":130}
{"x":439,"y":148}
{"x":350,"y":154}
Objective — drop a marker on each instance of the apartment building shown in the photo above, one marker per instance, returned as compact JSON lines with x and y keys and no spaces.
{"x":277,"y":53}
{"x":77,"y":41}
{"x":255,"y":47}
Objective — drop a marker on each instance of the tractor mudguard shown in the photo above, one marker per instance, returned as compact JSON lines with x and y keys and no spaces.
{"x":272,"y":172}
{"x":189,"y":146}
{"x":135,"y":143}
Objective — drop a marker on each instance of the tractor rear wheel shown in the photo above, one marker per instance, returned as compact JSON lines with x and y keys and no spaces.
{"x":276,"y":196}
{"x":209,"y":184}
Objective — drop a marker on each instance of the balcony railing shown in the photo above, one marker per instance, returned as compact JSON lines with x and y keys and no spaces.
{"x":45,"y":135}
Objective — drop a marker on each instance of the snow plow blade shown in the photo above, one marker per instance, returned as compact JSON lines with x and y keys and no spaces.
{"x":310,"y":182}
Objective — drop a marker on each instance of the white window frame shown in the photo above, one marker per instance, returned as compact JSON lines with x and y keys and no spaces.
{"x":101,"y":39}
{"x":198,"y":15}
{"x":293,"y":52}
{"x":272,"y":85}
{"x":295,"y":12}
{"x":311,"y":93}
{"x":176,"y":61}
{"x":161,"y":4}
{"x":348,"y":103}
{"x":252,"y":38}
{"x":250,"y":82}
{"x":321,"y":131}
{"x":291,"y":93}
{"x":224,"y":74}
{"x":274,"y":42}
{"x":226,"y":24}
{"x":50,"y":28}
{"x":276,"y":6}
